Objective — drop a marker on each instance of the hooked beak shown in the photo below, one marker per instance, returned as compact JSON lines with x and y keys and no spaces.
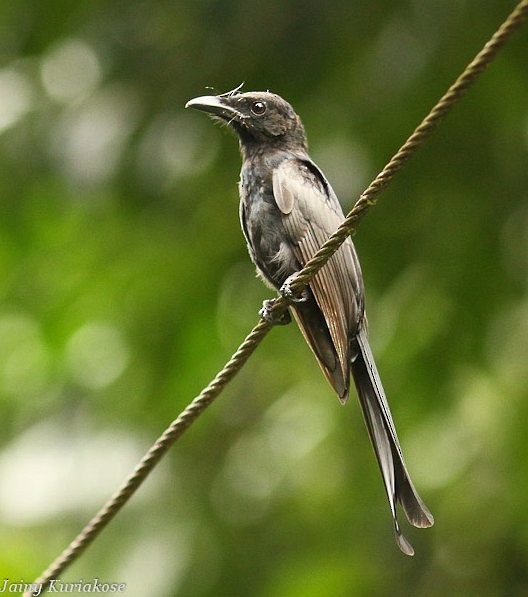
{"x":213,"y":104}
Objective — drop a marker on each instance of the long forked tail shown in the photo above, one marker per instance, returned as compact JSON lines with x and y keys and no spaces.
{"x":380,"y":425}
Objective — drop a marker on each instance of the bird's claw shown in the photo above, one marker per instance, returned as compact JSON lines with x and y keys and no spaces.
{"x":288,"y":293}
{"x":267,"y":313}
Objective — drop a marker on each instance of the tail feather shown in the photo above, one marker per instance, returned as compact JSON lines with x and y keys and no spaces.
{"x":314,"y":329}
{"x":398,"y":485}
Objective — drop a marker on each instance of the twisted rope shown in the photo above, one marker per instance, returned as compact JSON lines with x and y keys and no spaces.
{"x":367,"y":199}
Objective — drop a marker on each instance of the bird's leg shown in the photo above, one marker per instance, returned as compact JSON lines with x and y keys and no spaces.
{"x":267,"y":313}
{"x":288,"y":293}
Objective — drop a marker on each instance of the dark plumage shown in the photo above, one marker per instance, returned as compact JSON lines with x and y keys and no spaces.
{"x":287,"y":210}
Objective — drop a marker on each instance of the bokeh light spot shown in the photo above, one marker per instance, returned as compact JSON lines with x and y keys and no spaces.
{"x":97,"y":355}
{"x":16,"y":97}
{"x":70,"y":71}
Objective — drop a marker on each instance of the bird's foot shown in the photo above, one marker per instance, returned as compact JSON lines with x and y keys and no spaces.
{"x":291,"y":295}
{"x":267,"y":313}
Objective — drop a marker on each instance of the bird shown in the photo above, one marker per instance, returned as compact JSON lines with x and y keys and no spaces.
{"x":288,"y":209}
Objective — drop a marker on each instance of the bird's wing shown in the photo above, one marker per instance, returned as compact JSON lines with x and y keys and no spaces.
{"x":311,"y":212}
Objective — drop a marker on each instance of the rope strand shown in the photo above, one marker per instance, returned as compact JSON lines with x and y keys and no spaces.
{"x":367,"y":199}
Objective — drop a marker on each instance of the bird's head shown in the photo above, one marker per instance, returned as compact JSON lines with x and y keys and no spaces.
{"x":258,"y":117}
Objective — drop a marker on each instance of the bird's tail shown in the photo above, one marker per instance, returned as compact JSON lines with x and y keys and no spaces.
{"x":398,"y":484}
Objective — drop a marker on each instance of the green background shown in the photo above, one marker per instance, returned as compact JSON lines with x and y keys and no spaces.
{"x":125,"y":285}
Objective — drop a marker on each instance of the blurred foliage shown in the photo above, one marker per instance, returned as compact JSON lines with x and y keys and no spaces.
{"x":125,"y":285}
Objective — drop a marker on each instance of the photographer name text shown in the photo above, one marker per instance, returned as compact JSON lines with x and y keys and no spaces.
{"x":58,"y":586}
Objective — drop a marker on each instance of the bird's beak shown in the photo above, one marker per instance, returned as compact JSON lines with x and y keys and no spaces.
{"x":213,"y":104}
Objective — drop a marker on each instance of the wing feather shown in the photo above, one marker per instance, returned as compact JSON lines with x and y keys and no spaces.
{"x":311,"y":212}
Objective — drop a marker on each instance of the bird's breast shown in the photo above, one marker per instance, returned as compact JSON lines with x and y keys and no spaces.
{"x":261,"y":222}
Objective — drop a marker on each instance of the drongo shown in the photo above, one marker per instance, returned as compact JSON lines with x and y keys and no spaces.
{"x":288,"y":210}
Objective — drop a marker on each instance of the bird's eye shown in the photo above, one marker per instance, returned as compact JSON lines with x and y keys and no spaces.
{"x":258,"y":108}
